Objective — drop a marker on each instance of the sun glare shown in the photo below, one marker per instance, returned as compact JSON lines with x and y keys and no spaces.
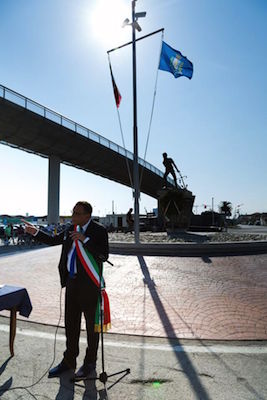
{"x":106,"y":20}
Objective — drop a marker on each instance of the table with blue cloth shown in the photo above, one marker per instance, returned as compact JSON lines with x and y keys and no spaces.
{"x":15,"y":299}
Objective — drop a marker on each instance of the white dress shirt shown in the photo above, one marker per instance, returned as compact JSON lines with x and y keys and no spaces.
{"x":84,"y":227}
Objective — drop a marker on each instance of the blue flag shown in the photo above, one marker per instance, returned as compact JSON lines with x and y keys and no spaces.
{"x":173,"y":61}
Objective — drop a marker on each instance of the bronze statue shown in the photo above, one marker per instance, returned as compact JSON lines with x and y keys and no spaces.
{"x":169,"y":164}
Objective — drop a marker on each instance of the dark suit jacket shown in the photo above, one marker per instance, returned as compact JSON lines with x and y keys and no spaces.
{"x":97,"y":245}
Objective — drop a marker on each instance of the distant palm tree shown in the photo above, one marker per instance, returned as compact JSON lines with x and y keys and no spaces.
{"x":225,"y":208}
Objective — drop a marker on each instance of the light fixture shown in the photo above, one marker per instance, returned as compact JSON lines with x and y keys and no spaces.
{"x":137,"y":26}
{"x":135,"y":23}
{"x":125,"y":22}
{"x":140,"y":15}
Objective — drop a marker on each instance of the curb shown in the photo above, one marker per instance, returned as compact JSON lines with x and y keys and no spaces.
{"x":189,"y":249}
{"x":17,"y":248}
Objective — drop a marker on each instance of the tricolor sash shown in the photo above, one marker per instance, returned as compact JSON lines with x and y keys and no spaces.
{"x":92,"y":269}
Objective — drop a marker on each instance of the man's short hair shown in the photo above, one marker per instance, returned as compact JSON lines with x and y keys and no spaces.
{"x":87,"y":208}
{"x":164,"y":154}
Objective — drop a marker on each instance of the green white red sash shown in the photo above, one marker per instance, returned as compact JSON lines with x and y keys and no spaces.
{"x":92,"y":269}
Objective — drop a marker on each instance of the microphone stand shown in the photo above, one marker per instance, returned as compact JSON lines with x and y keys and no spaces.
{"x":103,"y":376}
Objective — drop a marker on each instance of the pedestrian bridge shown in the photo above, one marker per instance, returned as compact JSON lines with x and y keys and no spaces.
{"x":29,"y":126}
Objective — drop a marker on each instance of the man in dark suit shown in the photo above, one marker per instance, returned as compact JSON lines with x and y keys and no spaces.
{"x":81,"y":293}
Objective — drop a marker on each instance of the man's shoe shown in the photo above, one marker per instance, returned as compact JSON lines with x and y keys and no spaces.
{"x":58,"y":370}
{"x":86,"y":371}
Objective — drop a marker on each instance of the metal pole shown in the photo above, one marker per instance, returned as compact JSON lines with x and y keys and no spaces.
{"x":212,"y":207}
{"x":140,"y":38}
{"x":135,"y":136}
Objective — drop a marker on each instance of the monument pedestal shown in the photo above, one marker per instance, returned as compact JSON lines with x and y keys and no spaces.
{"x":175,"y":209}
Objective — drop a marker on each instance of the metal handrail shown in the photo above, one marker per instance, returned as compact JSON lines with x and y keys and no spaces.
{"x":51,"y":115}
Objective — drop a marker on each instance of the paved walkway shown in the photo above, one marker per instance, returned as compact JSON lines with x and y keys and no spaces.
{"x":222,"y":298}
{"x":161,"y":369}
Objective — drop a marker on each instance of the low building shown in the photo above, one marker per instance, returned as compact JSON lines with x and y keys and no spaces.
{"x":114,"y":222}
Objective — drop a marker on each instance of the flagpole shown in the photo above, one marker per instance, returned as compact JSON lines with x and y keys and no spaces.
{"x":136,"y":40}
{"x":135,"y":134}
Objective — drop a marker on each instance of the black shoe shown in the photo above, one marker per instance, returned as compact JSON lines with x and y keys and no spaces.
{"x":59,"y":369}
{"x":86,"y":371}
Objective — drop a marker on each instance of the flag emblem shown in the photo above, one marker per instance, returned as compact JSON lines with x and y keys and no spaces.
{"x":173,"y":61}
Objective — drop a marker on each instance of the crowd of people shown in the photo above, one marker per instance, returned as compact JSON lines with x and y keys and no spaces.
{"x":13,"y":234}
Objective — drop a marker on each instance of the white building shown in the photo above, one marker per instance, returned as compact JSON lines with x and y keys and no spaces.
{"x":115,"y":221}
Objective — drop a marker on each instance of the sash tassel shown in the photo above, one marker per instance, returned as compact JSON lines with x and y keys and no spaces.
{"x":105,"y":313}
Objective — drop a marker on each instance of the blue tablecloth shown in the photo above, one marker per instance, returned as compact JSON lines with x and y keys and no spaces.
{"x":13,"y":296}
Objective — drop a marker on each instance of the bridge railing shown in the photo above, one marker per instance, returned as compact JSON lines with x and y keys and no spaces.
{"x":53,"y":116}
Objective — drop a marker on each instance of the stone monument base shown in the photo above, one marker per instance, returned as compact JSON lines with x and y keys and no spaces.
{"x":175,"y":209}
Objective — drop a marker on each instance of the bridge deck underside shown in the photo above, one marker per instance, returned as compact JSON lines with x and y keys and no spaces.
{"x":29,"y":131}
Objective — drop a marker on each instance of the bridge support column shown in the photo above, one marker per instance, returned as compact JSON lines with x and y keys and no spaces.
{"x":53,"y":190}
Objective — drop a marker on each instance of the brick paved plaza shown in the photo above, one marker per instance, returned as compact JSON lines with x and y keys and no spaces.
{"x":208,"y":298}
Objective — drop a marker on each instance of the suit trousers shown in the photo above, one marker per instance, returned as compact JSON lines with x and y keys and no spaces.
{"x":80,"y":297}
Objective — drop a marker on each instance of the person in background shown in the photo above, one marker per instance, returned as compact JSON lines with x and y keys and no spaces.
{"x":130,"y":221}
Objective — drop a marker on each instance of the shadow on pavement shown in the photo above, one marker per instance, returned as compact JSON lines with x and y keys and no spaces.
{"x":3,"y":366}
{"x":190,"y":237}
{"x":67,"y":388}
{"x":244,"y":381}
{"x":206,"y":259}
{"x":182,"y":358}
{"x":6,"y":386}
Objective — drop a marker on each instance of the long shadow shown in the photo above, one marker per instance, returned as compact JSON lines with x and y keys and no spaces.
{"x":250,"y":388}
{"x":67,"y":388}
{"x":142,"y":357}
{"x":182,"y":358}
{"x":5,"y":386}
{"x":190,"y":237}
{"x":3,"y":366}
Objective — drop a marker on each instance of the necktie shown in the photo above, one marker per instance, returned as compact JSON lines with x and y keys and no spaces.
{"x":72,"y":262}
{"x":73,"y":258}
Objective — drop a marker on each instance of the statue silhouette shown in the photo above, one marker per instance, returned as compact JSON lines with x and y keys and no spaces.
{"x":169,"y":164}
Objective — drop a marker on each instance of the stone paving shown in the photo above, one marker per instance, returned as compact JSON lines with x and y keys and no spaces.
{"x":222,"y":298}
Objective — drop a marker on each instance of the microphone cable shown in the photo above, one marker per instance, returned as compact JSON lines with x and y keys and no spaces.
{"x":27,"y":387}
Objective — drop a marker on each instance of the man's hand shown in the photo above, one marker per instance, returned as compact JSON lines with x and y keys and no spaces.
{"x":29,"y":228}
{"x":77,"y":236}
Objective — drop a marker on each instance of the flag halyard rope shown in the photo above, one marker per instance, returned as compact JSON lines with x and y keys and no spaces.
{"x":152,"y":113}
{"x":121,"y":130}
